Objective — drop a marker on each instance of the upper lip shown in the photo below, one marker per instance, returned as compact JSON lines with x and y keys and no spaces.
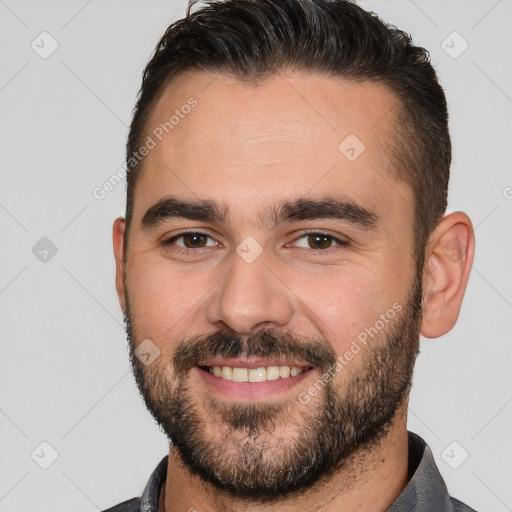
{"x":252,"y":363}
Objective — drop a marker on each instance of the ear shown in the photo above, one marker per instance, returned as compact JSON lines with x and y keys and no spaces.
{"x":448,"y":261}
{"x":118,"y":240}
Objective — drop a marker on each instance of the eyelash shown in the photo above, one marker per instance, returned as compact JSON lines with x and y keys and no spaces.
{"x":170,"y":241}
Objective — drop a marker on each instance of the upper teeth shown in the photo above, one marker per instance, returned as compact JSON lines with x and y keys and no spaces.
{"x":254,"y":374}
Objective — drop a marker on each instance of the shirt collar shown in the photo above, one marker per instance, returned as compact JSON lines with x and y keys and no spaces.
{"x":426,"y":490}
{"x":151,"y":494}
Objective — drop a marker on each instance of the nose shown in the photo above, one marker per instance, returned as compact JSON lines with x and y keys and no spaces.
{"x":250,"y":297}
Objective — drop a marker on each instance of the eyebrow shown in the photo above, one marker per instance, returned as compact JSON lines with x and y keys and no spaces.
{"x":205,"y":210}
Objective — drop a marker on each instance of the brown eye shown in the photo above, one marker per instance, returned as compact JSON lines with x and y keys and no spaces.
{"x":193,"y":240}
{"x":319,"y":241}
{"x":190,"y":240}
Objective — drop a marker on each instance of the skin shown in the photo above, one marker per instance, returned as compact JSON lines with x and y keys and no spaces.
{"x":249,"y":149}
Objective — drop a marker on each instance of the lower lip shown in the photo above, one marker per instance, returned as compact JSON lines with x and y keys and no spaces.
{"x":250,"y":390}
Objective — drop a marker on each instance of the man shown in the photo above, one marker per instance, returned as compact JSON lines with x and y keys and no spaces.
{"x":284,"y":247}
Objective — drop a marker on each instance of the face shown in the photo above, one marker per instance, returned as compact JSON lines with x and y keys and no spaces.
{"x":271,"y":270}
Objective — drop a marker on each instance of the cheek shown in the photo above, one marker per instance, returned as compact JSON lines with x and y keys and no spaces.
{"x":344,"y":303}
{"x":164,"y":302}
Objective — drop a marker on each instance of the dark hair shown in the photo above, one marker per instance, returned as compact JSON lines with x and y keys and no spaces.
{"x":254,"y":39}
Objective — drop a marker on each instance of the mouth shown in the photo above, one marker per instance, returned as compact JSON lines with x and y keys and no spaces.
{"x":250,"y":379}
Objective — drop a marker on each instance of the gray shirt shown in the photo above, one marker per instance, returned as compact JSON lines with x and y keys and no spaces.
{"x":425,"y":491}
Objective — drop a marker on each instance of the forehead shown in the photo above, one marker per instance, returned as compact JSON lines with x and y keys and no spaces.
{"x":290,"y":135}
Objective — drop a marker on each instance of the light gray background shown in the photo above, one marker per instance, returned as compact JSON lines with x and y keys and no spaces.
{"x":64,"y":369}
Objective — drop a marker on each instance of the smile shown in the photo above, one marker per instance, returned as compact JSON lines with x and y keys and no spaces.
{"x":250,"y":379}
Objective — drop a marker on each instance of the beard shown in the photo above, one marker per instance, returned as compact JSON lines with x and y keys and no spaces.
{"x":268,"y":450}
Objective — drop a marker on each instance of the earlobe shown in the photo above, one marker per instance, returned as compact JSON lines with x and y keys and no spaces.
{"x":118,"y":230}
{"x":448,"y":262}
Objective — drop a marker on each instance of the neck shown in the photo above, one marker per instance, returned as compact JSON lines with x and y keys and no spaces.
{"x":370,"y":481}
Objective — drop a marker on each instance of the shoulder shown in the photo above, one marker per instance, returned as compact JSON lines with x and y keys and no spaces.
{"x":132,"y":505}
{"x":458,"y":506}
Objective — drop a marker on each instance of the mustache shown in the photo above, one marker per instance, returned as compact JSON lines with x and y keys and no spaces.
{"x":268,"y":343}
